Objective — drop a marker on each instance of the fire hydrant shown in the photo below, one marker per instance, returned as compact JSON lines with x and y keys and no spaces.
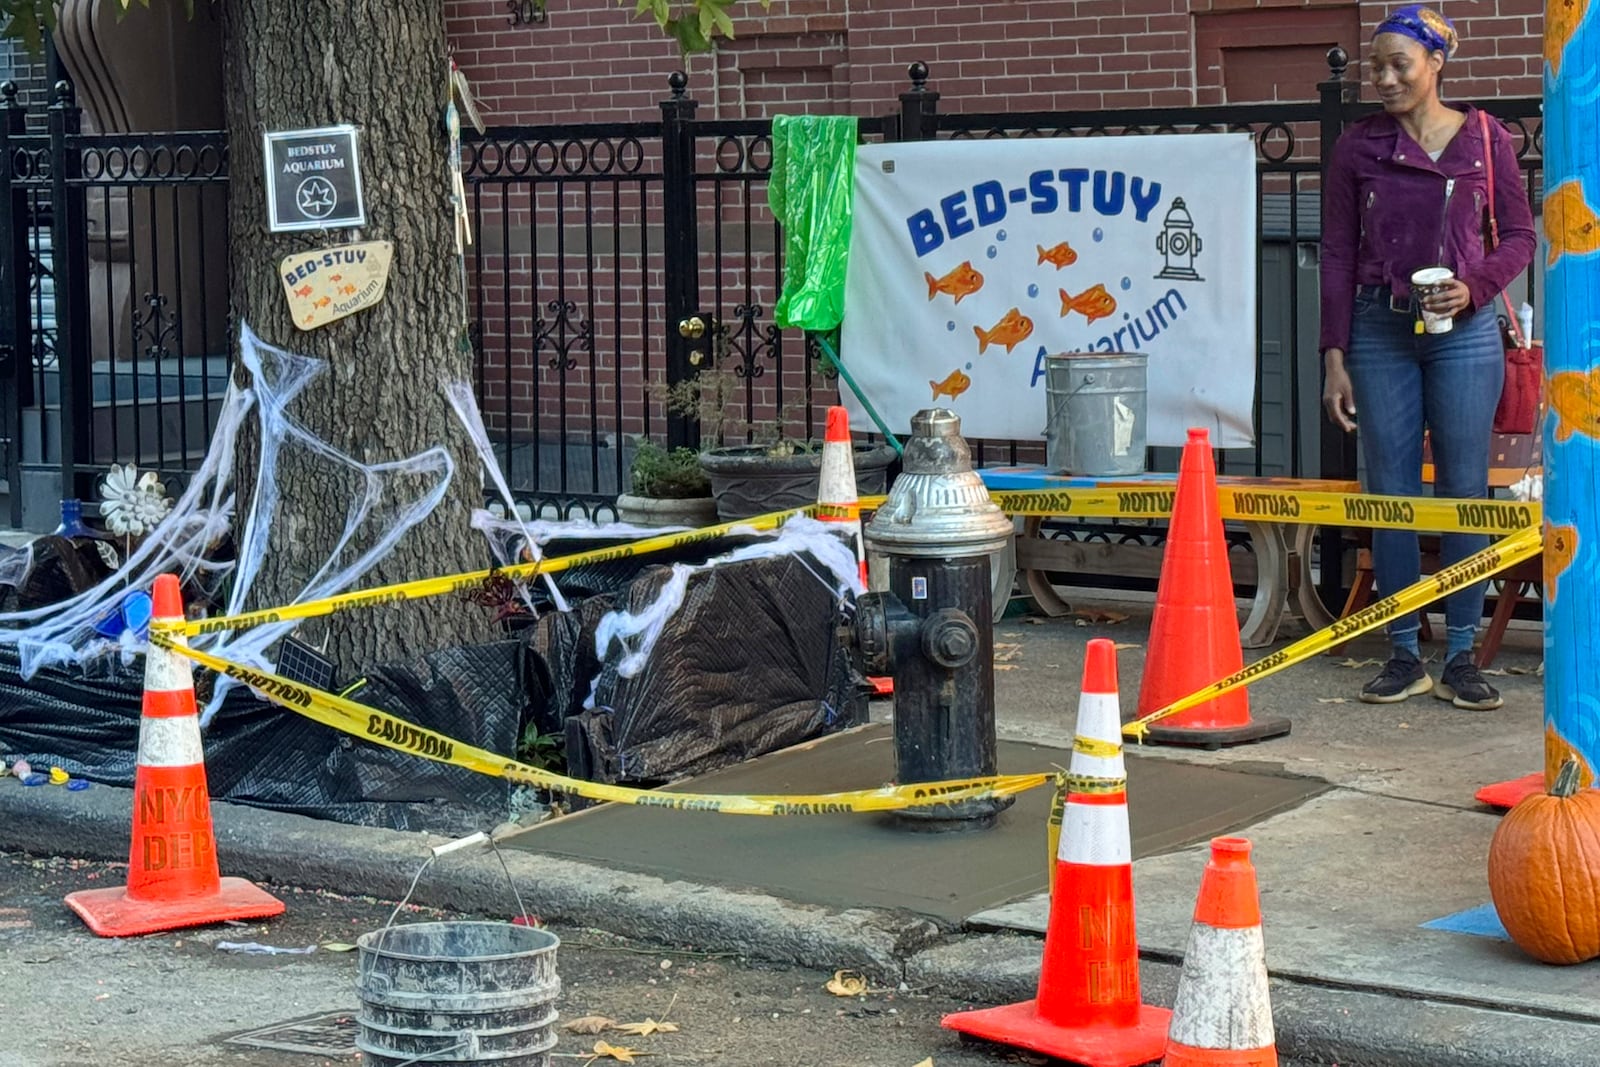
{"x":932,"y":632}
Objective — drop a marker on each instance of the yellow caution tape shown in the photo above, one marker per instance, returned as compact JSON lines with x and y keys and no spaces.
{"x":1088,"y":783}
{"x":475,"y":580}
{"x":1434,"y":514}
{"x":1497,"y":557}
{"x":379,"y":727}
{"x":1093,"y":746}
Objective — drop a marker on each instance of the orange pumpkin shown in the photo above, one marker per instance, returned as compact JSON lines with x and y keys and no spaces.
{"x":1544,"y":871}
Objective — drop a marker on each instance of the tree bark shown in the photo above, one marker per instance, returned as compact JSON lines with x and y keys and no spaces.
{"x":382,"y":66}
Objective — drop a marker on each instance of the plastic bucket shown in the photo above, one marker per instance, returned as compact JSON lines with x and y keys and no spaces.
{"x":456,"y":993}
{"x":1097,"y":413}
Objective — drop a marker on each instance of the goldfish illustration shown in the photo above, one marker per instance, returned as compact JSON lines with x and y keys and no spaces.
{"x":1560,"y":546}
{"x":955,"y":383}
{"x":346,"y":290}
{"x":1060,"y":256}
{"x":1575,"y":399}
{"x":1561,"y":22}
{"x":1569,"y":222}
{"x":304,"y":290}
{"x":336,"y":277}
{"x":1012,"y":329}
{"x":309,"y":319}
{"x":1093,"y":303}
{"x":324,"y":302}
{"x":963,"y":281}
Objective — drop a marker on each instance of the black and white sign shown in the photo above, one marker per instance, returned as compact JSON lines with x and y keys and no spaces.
{"x":313,"y":179}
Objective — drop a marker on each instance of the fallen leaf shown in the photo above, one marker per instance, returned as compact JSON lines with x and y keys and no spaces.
{"x":338,"y":946}
{"x":1005,"y":666}
{"x":1332,"y":700}
{"x":1521,"y":670}
{"x":1354,"y":663}
{"x":588,"y":1024}
{"x":1496,"y":671}
{"x":846,"y":984}
{"x":926,"y":1063}
{"x":1004,"y":652}
{"x":1110,"y":618}
{"x":1403,"y":725}
{"x":646,"y":1028}
{"x":615,"y":1052}
{"x":1120,"y":647}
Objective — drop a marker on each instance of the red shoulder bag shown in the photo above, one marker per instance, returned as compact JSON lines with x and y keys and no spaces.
{"x":1518,"y":410}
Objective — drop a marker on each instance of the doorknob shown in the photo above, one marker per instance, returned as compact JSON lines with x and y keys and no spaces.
{"x":692,"y":327}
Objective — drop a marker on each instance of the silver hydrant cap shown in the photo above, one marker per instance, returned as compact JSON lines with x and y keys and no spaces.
{"x":938,"y":506}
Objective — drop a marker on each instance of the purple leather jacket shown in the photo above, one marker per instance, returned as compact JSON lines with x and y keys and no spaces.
{"x":1388,"y":210}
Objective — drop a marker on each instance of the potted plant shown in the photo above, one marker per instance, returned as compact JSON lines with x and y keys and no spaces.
{"x":667,"y":488}
{"x":753,"y":465}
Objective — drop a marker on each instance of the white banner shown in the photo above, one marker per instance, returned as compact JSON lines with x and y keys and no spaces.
{"x":970,"y":261}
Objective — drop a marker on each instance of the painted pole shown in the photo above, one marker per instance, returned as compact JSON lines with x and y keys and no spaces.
{"x":1572,"y":385}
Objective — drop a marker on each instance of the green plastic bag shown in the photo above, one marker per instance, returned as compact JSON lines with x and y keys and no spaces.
{"x":811,"y":190}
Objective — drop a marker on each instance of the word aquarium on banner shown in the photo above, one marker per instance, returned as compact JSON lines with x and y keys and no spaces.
{"x":971,"y":261}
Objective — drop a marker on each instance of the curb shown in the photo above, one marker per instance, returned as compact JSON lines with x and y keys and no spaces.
{"x":1316,"y":1023}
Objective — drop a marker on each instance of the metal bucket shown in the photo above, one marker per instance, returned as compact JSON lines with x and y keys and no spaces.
{"x":1097,"y":413}
{"x":456,"y":993}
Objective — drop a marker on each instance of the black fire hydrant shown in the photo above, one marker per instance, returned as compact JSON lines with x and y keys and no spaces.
{"x":932,"y":632}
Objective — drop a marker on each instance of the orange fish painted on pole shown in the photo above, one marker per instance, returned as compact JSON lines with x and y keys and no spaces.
{"x":1060,"y":256}
{"x":1561,"y":21}
{"x":1569,"y":222}
{"x":1560,"y":548}
{"x":963,"y":281}
{"x":955,"y":383}
{"x":1012,"y":329}
{"x":1575,"y":399}
{"x":1093,"y":303}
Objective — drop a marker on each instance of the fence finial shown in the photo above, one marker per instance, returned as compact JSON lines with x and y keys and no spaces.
{"x":8,"y":89}
{"x":919,"y":76}
{"x":678,"y":81}
{"x":1338,"y":62}
{"x":62,"y":95}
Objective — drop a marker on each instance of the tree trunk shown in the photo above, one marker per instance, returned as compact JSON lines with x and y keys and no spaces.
{"x":380,"y":65}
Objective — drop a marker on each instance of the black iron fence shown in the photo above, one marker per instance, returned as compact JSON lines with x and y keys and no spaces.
{"x":611,"y":262}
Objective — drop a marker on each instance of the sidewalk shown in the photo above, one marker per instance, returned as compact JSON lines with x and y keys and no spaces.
{"x":1363,"y":822}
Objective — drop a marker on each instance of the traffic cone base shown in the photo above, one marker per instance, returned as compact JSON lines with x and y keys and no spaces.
{"x":1021,"y":1026}
{"x":1507,"y":795}
{"x":1213,"y":737}
{"x":112,"y":913}
{"x":1184,"y":1056}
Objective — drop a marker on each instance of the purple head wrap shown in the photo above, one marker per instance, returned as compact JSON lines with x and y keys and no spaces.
{"x":1423,"y":25}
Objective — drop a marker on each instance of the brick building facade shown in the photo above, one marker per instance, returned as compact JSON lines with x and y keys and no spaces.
{"x":592,"y":59}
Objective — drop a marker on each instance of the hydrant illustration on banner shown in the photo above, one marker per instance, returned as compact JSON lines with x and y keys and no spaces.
{"x":971,"y":261}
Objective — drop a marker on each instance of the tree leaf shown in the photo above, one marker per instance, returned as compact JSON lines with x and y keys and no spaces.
{"x":846,"y":984}
{"x":926,"y":1063}
{"x":588,"y":1024}
{"x":646,"y":1028}
{"x":615,"y":1052}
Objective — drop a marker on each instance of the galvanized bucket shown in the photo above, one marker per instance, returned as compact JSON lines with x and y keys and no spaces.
{"x":1096,"y":404}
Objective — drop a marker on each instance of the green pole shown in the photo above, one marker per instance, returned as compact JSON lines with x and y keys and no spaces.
{"x":872,"y":412}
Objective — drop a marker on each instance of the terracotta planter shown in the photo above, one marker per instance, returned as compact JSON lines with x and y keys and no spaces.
{"x":657,"y":511}
{"x":746,"y":481}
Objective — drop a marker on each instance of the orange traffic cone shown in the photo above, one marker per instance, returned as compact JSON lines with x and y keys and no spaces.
{"x":1088,"y":1009}
{"x":172,"y":863}
{"x":1194,"y":634}
{"x":837,"y":502}
{"x":1222,"y":1016}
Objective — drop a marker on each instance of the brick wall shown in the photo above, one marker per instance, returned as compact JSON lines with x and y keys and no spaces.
{"x":593,"y":61}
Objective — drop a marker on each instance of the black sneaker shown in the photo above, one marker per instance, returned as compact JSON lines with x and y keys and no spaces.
{"x":1401,"y":677}
{"x":1463,"y":685}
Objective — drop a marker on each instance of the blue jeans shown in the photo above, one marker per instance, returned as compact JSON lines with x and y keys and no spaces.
{"x":1448,"y":384}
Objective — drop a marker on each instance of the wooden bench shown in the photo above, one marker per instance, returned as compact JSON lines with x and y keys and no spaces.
{"x":1279,"y":565}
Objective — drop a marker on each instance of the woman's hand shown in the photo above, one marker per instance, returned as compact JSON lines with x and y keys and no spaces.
{"x":1448,"y":298}
{"x":1338,"y":395}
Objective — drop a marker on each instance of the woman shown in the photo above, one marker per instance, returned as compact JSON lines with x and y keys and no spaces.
{"x":1406,"y":189}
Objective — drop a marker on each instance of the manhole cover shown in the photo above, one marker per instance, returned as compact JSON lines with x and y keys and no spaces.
{"x":323,"y":1035}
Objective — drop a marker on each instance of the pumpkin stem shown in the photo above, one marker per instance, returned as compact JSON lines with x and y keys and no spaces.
{"x":1566,"y":782}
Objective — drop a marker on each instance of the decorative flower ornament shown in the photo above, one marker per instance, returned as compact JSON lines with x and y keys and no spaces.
{"x":132,"y":504}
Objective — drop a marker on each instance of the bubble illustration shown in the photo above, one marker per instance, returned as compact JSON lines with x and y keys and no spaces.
{"x":1033,"y":290}
{"x":1099,"y":234}
{"x":969,"y":366}
{"x":1127,"y":283}
{"x":951,"y":326}
{"x":993,"y":251}
{"x":1000,"y":235}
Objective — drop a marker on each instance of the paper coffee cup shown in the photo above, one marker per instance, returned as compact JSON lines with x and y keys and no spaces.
{"x":1424,"y":282}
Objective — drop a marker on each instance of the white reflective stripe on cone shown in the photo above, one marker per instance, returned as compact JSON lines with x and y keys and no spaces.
{"x":837,"y":484}
{"x":1100,"y":718}
{"x":1094,"y":835}
{"x":170,"y":742}
{"x":166,"y":672}
{"x":1222,"y":997}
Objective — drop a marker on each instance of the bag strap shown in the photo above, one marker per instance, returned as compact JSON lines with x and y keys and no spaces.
{"x":1494,"y":225}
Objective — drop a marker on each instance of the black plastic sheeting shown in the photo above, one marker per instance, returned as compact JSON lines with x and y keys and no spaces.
{"x":750,"y":663}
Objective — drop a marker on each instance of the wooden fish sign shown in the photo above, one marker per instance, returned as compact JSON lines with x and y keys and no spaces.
{"x":324,"y":285}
